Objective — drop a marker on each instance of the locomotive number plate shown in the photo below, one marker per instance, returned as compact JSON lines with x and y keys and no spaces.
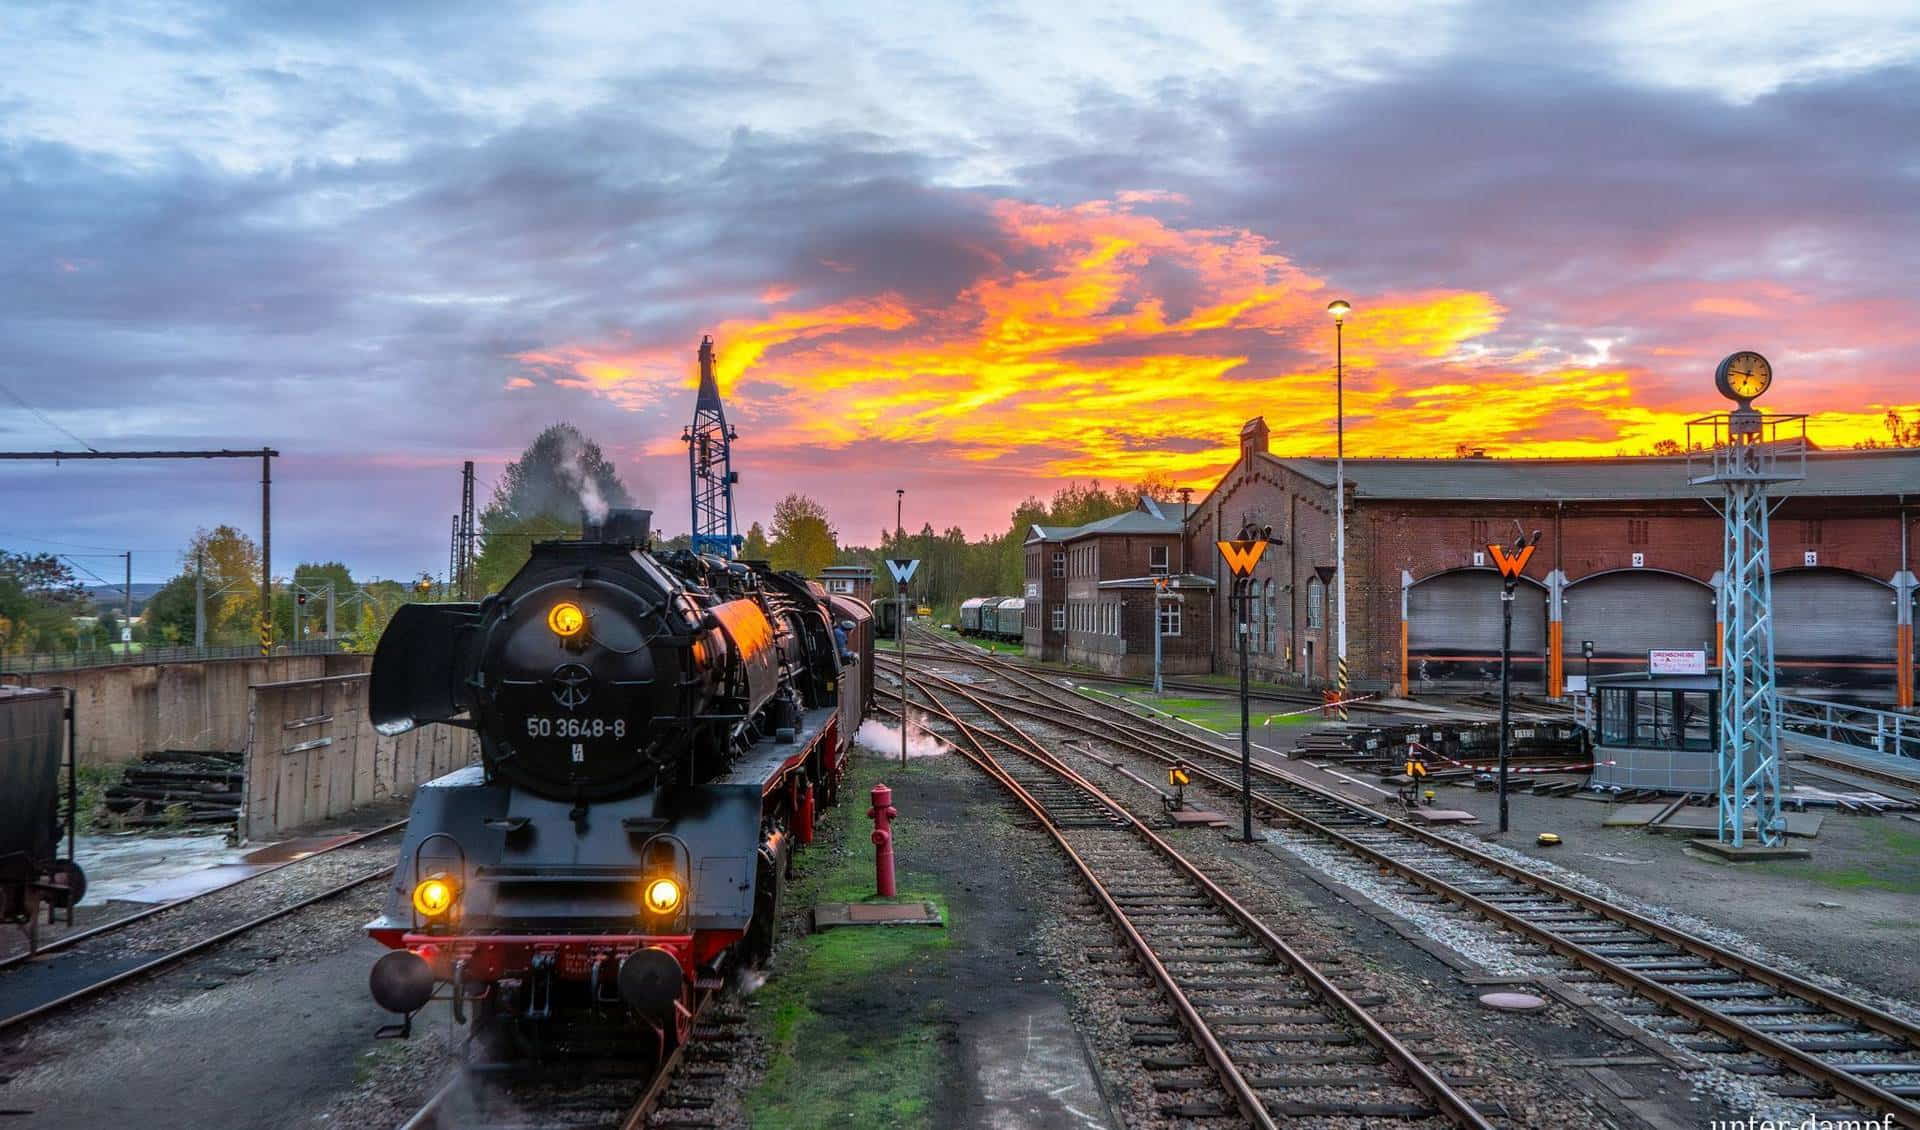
{"x":540,"y":727}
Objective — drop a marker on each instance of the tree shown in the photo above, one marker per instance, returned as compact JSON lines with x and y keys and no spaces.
{"x":756,"y":547}
{"x":1157,"y":485}
{"x":230,"y":566}
{"x":39,"y":596}
{"x":168,"y":614}
{"x":1667,"y":447}
{"x":803,"y":540}
{"x":540,"y":497}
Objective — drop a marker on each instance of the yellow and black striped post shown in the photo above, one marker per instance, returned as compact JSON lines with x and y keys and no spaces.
{"x":1340,"y":686}
{"x":266,"y":636}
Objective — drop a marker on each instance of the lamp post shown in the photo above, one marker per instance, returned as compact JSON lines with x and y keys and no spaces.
{"x":1159,"y":595}
{"x":1340,"y":308}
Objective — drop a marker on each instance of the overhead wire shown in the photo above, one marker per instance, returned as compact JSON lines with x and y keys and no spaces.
{"x":22,"y":402}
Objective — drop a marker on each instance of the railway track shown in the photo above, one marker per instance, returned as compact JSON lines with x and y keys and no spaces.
{"x":116,"y":972}
{"x":1735,"y":1012}
{"x":679,"y":1092}
{"x":68,"y":941}
{"x":1237,"y":1024}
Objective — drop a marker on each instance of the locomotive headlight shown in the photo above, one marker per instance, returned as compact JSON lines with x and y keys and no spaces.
{"x":663,"y":896}
{"x":433,"y":896}
{"x":567,"y":620}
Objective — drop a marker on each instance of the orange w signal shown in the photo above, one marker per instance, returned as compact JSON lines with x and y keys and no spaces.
{"x":1242,"y":556}
{"x":1510,"y":567}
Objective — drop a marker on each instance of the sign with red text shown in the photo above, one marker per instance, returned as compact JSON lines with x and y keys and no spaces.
{"x":1676,"y":662}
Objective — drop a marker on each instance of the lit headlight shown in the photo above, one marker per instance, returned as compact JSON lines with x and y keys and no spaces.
{"x":663,"y":896}
{"x":567,"y":620}
{"x":433,"y":896}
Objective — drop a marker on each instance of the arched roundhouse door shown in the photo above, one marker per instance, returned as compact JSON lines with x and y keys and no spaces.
{"x":1833,"y":630}
{"x":1453,"y":632}
{"x":1630,"y":612}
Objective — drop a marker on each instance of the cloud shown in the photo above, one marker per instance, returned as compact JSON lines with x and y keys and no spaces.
{"x":969,"y":252}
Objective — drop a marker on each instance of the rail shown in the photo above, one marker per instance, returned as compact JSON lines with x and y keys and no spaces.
{"x":1382,"y":841}
{"x":1259,"y":1111}
{"x":1882,"y":731}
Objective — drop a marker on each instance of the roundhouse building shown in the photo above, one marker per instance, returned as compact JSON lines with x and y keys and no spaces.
{"x":1629,"y":559}
{"x":1091,"y":593}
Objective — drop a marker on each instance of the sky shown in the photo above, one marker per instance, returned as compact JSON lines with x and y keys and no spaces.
{"x":969,"y":250}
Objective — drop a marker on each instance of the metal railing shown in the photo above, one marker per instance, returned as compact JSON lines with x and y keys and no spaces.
{"x":147,"y":656}
{"x":1881,"y":731}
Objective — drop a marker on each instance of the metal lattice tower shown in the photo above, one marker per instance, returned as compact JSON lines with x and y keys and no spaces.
{"x":710,"y":464}
{"x":1748,"y":450}
{"x":453,"y":560}
{"x":466,"y":573}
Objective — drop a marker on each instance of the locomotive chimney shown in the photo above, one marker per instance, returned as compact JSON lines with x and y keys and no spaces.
{"x":628,"y":526}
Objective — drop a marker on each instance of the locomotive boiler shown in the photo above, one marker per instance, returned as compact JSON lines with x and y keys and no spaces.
{"x":655,"y":733}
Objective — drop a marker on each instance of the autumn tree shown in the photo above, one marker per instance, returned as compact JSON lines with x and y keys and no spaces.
{"x":540,"y":497}
{"x":756,"y":546}
{"x":802,"y":538}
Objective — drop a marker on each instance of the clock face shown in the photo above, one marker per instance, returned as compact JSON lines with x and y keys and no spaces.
{"x":1744,"y":375}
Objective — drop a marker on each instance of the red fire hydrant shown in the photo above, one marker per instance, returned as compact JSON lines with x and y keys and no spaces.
{"x":883,"y":813}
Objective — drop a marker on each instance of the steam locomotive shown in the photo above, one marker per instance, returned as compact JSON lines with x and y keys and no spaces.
{"x":656,"y":732}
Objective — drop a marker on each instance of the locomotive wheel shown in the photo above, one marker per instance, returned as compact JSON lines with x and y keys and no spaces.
{"x":69,"y":883}
{"x":764,"y":930}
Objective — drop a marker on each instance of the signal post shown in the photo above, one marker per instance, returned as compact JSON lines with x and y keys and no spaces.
{"x":1242,"y":555}
{"x":1512,"y":561}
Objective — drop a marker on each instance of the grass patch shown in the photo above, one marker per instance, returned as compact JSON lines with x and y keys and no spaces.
{"x":838,"y":1051}
{"x":1898,"y":873}
{"x":1222,"y":714}
{"x":998,"y":647}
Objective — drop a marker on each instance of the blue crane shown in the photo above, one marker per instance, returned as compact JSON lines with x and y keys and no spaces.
{"x":710,"y":465}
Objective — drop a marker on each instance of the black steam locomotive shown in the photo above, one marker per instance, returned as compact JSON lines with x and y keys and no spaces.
{"x":656,"y":732}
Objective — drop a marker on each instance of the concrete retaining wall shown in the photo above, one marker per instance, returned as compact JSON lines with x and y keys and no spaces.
{"x":312,"y":754}
{"x":129,"y":710}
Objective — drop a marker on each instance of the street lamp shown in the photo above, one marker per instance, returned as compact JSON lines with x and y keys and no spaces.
{"x":1340,"y":308}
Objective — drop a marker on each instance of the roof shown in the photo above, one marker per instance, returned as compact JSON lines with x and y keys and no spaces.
{"x":848,"y":570}
{"x":1132,"y":522}
{"x":1050,"y":533}
{"x":1149,"y":516}
{"x":1180,"y":581}
{"x":1828,"y":473}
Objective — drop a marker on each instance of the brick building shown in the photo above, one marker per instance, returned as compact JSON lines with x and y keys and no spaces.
{"x":1629,"y":558}
{"x":848,"y":580}
{"x":1091,"y":593}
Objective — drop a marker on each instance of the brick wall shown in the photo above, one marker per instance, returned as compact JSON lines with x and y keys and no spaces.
{"x":1424,"y":538}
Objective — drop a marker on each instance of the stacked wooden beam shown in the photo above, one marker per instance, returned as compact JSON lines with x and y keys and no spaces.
{"x":172,"y":787}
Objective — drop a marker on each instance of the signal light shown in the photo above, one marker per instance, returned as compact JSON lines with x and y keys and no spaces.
{"x":663,"y":896}
{"x":566,"y":620}
{"x":433,"y":896}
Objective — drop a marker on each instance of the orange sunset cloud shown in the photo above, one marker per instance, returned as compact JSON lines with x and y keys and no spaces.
{"x":1114,"y":343}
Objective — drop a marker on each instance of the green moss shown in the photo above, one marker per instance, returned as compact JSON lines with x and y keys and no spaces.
{"x":834,"y":1056}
